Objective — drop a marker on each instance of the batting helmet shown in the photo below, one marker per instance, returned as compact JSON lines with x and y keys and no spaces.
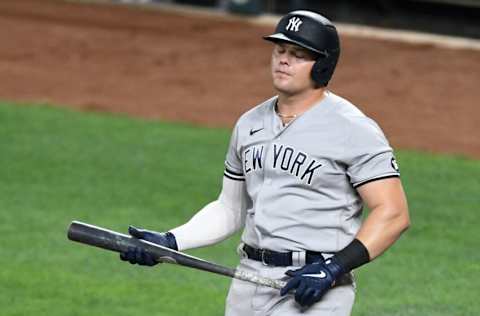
{"x":314,"y":32}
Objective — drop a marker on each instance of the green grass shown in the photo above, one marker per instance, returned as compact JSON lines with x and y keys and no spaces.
{"x":59,"y":165}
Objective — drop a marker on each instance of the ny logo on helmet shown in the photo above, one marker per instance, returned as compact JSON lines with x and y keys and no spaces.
{"x":293,"y":24}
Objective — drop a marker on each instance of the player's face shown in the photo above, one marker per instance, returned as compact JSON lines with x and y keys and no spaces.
{"x":291,"y":67}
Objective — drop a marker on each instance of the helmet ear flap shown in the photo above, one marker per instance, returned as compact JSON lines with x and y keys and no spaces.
{"x":322,"y":70}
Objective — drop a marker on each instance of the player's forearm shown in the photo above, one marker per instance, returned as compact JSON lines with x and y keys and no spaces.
{"x":216,"y":221}
{"x":383,"y":227}
{"x":210,"y":225}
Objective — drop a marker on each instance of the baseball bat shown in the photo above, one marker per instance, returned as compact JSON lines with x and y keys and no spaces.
{"x":110,"y":240}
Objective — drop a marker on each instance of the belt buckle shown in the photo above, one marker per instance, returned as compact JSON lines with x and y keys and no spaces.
{"x":241,"y":252}
{"x":262,"y":256}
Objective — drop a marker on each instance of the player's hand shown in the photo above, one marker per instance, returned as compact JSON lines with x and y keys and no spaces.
{"x":312,"y":281}
{"x":142,"y":257}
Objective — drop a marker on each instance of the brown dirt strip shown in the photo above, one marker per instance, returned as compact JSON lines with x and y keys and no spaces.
{"x":208,"y":70}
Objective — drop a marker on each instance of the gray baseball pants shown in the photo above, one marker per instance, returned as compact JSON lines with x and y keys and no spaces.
{"x":248,"y":299}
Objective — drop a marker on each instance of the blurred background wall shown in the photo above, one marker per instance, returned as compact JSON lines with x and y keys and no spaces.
{"x":450,"y":17}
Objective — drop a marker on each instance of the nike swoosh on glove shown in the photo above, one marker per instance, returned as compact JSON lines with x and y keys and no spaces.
{"x":312,"y":281}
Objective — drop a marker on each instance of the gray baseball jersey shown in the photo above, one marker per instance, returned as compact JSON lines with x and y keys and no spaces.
{"x":301,"y":179}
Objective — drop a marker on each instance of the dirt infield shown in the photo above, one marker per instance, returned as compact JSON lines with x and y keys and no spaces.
{"x":152,"y":64}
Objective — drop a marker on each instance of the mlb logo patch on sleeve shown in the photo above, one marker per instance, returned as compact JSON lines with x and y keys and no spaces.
{"x":394,"y":164}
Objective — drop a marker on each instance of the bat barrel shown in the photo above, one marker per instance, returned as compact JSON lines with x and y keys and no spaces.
{"x":99,"y":237}
{"x":111,"y":240}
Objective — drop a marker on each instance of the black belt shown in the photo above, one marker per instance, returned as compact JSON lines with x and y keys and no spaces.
{"x":279,"y":259}
{"x":284,"y":259}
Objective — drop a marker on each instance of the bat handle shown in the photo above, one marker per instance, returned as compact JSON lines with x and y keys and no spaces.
{"x":253,"y":278}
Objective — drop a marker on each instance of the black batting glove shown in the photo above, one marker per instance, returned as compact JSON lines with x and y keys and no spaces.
{"x":312,"y":281}
{"x":139,"y":256}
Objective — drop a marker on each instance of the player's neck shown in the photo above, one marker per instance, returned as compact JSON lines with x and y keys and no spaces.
{"x":291,"y":106}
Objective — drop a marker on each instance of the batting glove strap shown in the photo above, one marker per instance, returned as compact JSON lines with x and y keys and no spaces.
{"x":171,"y":241}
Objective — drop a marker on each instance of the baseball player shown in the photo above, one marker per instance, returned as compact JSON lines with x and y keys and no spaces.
{"x":299,"y":169}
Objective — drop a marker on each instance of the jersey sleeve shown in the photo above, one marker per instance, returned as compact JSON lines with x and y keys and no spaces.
{"x":233,"y":162}
{"x":370,"y":156}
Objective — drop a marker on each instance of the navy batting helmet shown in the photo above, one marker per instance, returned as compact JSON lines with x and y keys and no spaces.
{"x":314,"y":32}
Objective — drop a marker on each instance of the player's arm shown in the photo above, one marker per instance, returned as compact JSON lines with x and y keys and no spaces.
{"x":216,"y":221}
{"x":374,"y":173}
{"x":387,"y":220}
{"x":388,"y":217}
